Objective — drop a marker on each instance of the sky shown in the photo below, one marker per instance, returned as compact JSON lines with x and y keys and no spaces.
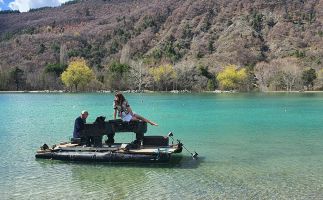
{"x":25,"y":5}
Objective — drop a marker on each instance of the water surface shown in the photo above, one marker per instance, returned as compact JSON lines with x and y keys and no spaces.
{"x":251,"y":146}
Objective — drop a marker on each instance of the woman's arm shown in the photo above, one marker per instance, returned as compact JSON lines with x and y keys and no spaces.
{"x":115,"y":114}
{"x":130,"y":111}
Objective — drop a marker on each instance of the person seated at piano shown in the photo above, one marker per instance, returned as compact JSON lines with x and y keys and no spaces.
{"x":79,"y":123}
{"x":124,"y":111}
{"x":78,"y":127}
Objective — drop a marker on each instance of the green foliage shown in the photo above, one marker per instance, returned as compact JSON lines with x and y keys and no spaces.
{"x":298,"y":54}
{"x":211,"y":85}
{"x":4,"y":80}
{"x":119,"y":68}
{"x":55,"y":68}
{"x":231,"y":78}
{"x":55,"y":47}
{"x":256,"y":21}
{"x":77,"y":74}
{"x":207,"y":20}
{"x":94,"y":53}
{"x":71,"y":2}
{"x":148,"y":22}
{"x":96,"y":58}
{"x":308,"y":77}
{"x":157,"y":54}
{"x":320,"y":33}
{"x":115,"y":47}
{"x":204,"y":71}
{"x":229,"y":22}
{"x":39,"y":9}
{"x":87,"y":12}
{"x":7,"y":36}
{"x":29,"y":30}
{"x":187,"y":31}
{"x":318,"y":61}
{"x":73,"y":53}
{"x":271,"y":22}
{"x":311,"y":16}
{"x":210,"y":46}
{"x":123,"y":35}
{"x":117,"y":75}
{"x":119,"y":19}
{"x":9,"y":11}
{"x":199,"y":54}
{"x":168,"y":50}
{"x":211,"y":82}
{"x":251,"y":80}
{"x":17,"y":75}
{"x":41,"y":48}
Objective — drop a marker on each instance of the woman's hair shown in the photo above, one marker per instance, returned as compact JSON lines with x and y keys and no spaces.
{"x":120,"y":97}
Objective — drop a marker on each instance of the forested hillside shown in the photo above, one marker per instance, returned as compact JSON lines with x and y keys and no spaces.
{"x":166,"y":44}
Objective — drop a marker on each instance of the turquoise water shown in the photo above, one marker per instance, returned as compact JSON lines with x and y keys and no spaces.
{"x":251,"y":146}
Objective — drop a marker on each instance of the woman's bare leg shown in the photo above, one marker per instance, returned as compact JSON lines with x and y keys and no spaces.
{"x":138,"y":117}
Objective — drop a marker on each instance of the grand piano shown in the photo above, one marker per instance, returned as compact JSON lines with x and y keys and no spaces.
{"x":93,"y":132}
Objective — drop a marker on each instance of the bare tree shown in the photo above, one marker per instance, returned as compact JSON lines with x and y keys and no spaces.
{"x":138,"y":72}
{"x":4,"y":79}
{"x":63,"y":55}
{"x":125,"y":54}
{"x":291,"y":73}
{"x":186,"y":72}
{"x":279,"y":74}
{"x":263,"y":75}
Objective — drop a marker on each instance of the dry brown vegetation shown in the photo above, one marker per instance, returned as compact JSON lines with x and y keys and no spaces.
{"x":275,"y":40}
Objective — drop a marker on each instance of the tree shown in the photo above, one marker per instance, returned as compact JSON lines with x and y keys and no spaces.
{"x":211,"y":82}
{"x":308,"y":77}
{"x":17,"y":75}
{"x":291,"y":73}
{"x":188,"y":76}
{"x":138,"y":72}
{"x":163,"y":75}
{"x":62,"y":54}
{"x":4,"y":79}
{"x":231,"y":78}
{"x":210,"y":85}
{"x":251,"y":80}
{"x":279,"y":74}
{"x":319,"y":80}
{"x":117,"y":75}
{"x":56,"y":68}
{"x":77,"y":74}
{"x":263,"y":73}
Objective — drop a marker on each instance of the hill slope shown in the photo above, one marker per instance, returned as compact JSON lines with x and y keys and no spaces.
{"x":182,"y":32}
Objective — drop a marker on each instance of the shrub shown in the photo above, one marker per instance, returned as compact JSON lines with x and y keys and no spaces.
{"x":55,"y":68}
{"x":163,"y":75}
{"x":308,"y":77}
{"x":230,"y":78}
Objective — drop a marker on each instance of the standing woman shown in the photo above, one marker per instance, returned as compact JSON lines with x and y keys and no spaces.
{"x":121,"y":106}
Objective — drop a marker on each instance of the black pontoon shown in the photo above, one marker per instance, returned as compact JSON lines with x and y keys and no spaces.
{"x":89,"y":146}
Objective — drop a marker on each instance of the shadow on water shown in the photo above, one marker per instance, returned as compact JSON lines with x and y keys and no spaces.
{"x":177,"y":161}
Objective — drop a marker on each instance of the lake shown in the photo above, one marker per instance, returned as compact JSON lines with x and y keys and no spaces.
{"x":251,"y":146}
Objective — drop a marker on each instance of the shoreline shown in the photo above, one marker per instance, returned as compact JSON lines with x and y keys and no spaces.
{"x":150,"y":91}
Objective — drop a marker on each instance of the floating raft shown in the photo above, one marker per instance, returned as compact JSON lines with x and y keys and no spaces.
{"x":89,"y":146}
{"x":114,"y":153}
